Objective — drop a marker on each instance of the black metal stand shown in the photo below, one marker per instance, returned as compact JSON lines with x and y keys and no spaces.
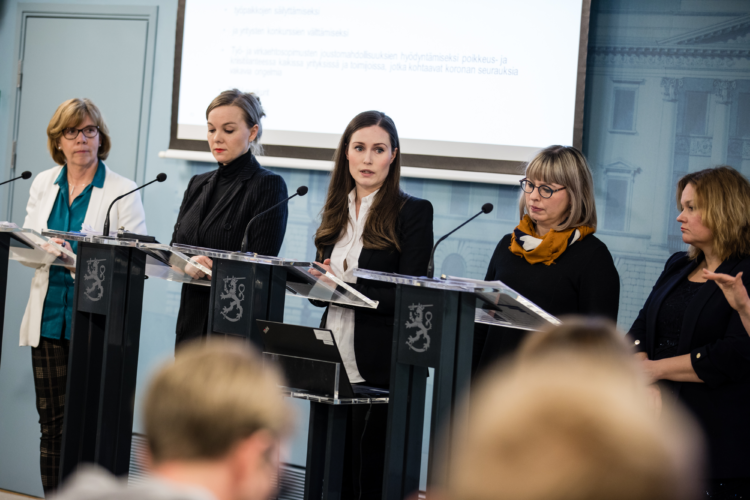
{"x":103,"y":361}
{"x":325,"y":451}
{"x":432,"y":328}
{"x":4,"y":257}
{"x":242,"y":292}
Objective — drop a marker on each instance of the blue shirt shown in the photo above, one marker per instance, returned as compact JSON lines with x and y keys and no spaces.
{"x":58,"y":304}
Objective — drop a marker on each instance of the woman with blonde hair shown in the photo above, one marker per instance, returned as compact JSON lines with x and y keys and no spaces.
{"x":74,"y":193}
{"x":218,"y":205}
{"x":552,"y":257}
{"x":687,"y":335}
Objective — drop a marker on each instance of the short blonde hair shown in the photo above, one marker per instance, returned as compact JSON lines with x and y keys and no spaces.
{"x":568,"y":167}
{"x":566,"y":424}
{"x":69,"y":114}
{"x":251,"y":108}
{"x":215,"y":394}
{"x":723,"y":197}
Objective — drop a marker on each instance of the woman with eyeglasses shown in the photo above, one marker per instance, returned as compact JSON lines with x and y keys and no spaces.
{"x":73,"y":194}
{"x":552,"y":257}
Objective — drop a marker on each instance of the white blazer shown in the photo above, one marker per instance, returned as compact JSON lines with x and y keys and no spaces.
{"x":127,"y":212}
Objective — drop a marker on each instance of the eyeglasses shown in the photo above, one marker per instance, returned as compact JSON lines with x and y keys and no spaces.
{"x":71,"y":132}
{"x":544,"y":191}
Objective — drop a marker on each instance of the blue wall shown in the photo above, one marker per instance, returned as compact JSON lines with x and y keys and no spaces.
{"x":655,"y":108}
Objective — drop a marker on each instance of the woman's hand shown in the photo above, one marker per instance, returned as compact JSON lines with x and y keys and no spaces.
{"x":325,"y":265}
{"x":196,"y":273}
{"x":56,"y":252}
{"x":733,"y":288}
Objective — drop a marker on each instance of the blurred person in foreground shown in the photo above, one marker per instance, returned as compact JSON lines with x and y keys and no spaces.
{"x":214,"y":420}
{"x":689,"y":338}
{"x":569,"y":419}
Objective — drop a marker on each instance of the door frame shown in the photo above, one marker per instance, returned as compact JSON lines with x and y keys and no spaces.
{"x":78,"y":11}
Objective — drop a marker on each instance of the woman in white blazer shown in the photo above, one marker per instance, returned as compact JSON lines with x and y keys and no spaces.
{"x":72,"y":195}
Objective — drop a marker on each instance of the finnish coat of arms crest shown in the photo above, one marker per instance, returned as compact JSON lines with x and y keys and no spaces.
{"x":95,"y":274}
{"x":421,"y":320}
{"x":236,"y":293}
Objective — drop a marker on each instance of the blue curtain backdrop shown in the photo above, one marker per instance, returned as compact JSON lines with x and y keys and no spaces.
{"x":667,"y":92}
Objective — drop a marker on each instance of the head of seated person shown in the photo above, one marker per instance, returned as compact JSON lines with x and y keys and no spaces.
{"x":590,"y":336}
{"x":214,"y":418}
{"x":569,"y":420}
{"x":214,"y":422}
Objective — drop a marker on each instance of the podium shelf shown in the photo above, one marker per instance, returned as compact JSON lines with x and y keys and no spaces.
{"x":303,"y":279}
{"x":162,"y":261}
{"x":30,"y":248}
{"x":496,"y":303}
{"x":316,"y":398}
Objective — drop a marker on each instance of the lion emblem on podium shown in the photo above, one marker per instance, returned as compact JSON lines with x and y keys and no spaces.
{"x":421,"y":320}
{"x":236,"y":294}
{"x":94,"y":273}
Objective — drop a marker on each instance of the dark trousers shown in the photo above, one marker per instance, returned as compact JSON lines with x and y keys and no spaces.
{"x":50,"y":363}
{"x":364,"y":456}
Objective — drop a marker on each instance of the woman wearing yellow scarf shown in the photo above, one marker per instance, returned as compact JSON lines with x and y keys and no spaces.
{"x":552,"y":257}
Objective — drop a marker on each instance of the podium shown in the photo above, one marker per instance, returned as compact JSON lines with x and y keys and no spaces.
{"x":434,"y":328}
{"x":247,"y":287}
{"x":29,"y":248}
{"x":105,"y":336}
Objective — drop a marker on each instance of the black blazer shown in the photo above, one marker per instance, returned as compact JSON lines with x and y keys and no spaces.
{"x":255,"y":189}
{"x":719,"y":348}
{"x":373,"y":328}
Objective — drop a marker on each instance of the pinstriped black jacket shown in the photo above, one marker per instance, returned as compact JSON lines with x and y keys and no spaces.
{"x":255,"y":190}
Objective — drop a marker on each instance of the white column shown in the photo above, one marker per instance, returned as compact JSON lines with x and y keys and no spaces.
{"x":665,"y":162}
{"x":723,"y":93}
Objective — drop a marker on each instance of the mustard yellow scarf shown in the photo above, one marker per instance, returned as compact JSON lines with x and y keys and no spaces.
{"x":525,"y":243}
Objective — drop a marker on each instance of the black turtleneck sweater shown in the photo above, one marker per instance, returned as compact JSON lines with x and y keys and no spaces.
{"x":225,"y":177}
{"x":215,"y":210}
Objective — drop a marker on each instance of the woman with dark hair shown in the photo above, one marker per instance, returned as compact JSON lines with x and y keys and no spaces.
{"x":218,"y":205}
{"x":369,"y":223}
{"x":688,"y":336}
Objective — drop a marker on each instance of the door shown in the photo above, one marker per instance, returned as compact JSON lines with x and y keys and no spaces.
{"x":102,"y":57}
{"x":102,"y":52}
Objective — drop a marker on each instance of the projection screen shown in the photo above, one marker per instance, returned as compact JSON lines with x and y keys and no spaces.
{"x":476,"y":86}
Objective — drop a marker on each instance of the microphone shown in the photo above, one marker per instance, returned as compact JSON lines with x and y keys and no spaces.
{"x":24,"y":176}
{"x":301,"y":191}
{"x":486,"y":208}
{"x":159,"y":178}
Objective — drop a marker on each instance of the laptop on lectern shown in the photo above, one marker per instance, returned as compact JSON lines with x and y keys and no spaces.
{"x":316,"y":344}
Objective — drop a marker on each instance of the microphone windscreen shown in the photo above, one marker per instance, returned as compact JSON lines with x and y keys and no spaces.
{"x":26,"y":175}
{"x":302,"y":190}
{"x":161,"y":177}
{"x":487,"y":208}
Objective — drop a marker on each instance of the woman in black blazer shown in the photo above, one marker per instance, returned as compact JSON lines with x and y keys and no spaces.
{"x":687,"y":335}
{"x":218,"y":205}
{"x":369,"y":223}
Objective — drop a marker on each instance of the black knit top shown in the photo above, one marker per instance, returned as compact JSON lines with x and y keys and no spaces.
{"x":583,"y":280}
{"x":670,"y":316}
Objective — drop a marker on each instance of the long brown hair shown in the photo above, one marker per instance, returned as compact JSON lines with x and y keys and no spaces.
{"x":381,"y":231}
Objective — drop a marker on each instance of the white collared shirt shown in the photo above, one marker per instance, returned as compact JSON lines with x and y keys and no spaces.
{"x":347,"y":249}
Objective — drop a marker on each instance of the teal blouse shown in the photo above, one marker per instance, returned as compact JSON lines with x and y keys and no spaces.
{"x":58,"y":305}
